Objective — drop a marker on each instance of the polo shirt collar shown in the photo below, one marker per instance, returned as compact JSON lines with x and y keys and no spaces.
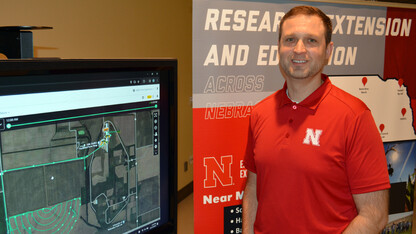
{"x":313,"y":100}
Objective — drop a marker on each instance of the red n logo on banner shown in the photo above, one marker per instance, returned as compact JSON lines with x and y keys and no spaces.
{"x":214,"y":171}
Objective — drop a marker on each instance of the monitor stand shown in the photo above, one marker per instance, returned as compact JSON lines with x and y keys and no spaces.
{"x":16,"y":42}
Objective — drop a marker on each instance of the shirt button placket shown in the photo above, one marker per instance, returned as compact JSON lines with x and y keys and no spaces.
{"x":294,"y":107}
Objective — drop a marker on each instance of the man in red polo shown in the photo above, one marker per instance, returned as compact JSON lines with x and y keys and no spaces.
{"x":315,"y":159}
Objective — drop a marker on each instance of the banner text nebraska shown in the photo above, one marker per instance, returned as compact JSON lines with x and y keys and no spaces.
{"x":227,"y":110}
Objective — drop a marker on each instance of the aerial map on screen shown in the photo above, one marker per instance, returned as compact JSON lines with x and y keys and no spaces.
{"x":95,"y":174}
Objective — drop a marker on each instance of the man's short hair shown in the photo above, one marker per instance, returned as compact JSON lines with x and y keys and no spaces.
{"x":310,"y":11}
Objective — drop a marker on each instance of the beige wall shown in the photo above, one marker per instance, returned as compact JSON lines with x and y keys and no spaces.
{"x":116,"y":29}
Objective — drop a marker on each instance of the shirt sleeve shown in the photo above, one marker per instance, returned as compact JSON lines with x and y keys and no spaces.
{"x":365,"y":157}
{"x":249,"y":163}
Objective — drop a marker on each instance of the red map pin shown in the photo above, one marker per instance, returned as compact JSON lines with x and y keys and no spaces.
{"x":364,"y":80}
{"x":381,"y":127}
{"x":401,"y":82}
{"x":403,"y":111}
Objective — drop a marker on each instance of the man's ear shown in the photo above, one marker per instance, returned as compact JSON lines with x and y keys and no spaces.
{"x":329,"y":49}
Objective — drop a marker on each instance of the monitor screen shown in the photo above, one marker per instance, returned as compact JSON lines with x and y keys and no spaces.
{"x":88,"y":146}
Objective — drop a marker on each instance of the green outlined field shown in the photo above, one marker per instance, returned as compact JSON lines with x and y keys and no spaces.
{"x":96,"y":175}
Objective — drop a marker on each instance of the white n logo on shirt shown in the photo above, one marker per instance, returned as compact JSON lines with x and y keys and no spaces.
{"x":312,"y":136}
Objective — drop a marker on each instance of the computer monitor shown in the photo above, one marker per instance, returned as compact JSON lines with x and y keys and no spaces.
{"x":88,"y":146}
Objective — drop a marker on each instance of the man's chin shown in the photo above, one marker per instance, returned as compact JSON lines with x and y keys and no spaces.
{"x":299,"y":75}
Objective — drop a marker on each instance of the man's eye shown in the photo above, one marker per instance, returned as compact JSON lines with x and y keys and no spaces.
{"x":290,"y":39}
{"x":311,"y":40}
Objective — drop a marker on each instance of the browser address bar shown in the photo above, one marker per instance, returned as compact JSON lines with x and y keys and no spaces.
{"x":37,"y":103}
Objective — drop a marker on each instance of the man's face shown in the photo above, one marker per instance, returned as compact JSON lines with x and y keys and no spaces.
{"x":302,"y":48}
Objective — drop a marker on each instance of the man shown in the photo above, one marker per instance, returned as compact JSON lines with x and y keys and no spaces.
{"x":315,"y":159}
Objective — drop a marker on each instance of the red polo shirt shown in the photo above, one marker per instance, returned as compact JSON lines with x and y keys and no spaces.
{"x":310,"y":158}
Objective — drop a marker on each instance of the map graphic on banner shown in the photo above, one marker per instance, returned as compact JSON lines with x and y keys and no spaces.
{"x":235,"y":65}
{"x":395,"y":117}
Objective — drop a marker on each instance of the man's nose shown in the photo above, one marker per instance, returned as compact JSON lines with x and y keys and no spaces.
{"x":300,"y":47}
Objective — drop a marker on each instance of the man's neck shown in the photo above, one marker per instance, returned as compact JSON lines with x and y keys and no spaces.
{"x":300,"y":89}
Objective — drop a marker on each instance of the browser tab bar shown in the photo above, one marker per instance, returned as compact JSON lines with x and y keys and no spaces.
{"x":38,"y":103}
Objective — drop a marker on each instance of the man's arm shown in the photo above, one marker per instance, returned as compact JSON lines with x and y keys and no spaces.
{"x":372,"y":212}
{"x":249,"y":203}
